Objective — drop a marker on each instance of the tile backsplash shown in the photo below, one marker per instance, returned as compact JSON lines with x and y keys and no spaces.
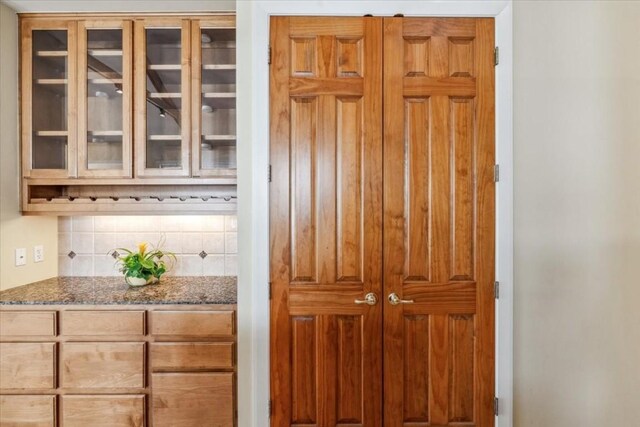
{"x":204,"y":245}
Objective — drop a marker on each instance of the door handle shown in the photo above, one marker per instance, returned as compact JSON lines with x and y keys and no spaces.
{"x":395,"y":299}
{"x":369,"y":299}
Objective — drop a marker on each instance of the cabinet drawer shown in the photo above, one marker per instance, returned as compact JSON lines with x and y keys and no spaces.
{"x":103,"y":411}
{"x":191,"y":356}
{"x":27,"y":323}
{"x":27,"y":365}
{"x":92,"y":323}
{"x":102,"y":365}
{"x":193,"y":400}
{"x":33,"y":411}
{"x":192,"y":323}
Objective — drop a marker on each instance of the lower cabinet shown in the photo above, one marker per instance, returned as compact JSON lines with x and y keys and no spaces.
{"x":193,"y":399}
{"x":69,"y":366}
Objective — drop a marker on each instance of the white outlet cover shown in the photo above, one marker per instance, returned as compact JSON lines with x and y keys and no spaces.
{"x":38,"y":253}
{"x":21,"y":256}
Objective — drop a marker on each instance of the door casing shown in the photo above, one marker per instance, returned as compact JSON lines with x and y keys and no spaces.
{"x":253,"y":149}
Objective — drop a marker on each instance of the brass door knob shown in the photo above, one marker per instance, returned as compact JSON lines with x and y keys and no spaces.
{"x":369,"y":299}
{"x":395,"y":299}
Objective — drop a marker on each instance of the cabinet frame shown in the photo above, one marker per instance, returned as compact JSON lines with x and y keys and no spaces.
{"x":26,"y":90}
{"x":217,"y":22}
{"x":127,"y":98}
{"x":140,"y":97}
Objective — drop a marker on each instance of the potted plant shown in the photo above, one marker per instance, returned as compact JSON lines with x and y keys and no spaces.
{"x":143,"y":267}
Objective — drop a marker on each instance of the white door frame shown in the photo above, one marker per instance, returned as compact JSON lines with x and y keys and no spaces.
{"x":253,"y":187}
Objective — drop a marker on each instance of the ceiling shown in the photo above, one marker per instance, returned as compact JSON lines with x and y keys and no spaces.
{"x":121,"y":5}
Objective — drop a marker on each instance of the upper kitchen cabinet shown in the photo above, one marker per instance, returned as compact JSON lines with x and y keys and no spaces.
{"x":49,"y":98}
{"x":105,"y":98}
{"x":128,"y":113}
{"x":163,"y":113}
{"x":213,"y":43}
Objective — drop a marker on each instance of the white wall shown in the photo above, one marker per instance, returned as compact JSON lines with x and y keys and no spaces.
{"x":17,"y":231}
{"x":577,"y":213}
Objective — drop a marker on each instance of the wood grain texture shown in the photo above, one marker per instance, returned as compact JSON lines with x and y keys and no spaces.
{"x":26,"y":410}
{"x":103,"y":411}
{"x":192,"y":356}
{"x":25,"y":366}
{"x":27,"y":323}
{"x":439,"y":220}
{"x":91,"y":323}
{"x":192,"y":323}
{"x":102,"y":365}
{"x":193,"y":400}
{"x":326,"y":218}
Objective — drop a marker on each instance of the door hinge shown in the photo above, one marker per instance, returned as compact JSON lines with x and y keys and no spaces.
{"x":496,"y":289}
{"x":270,"y":408}
{"x":496,"y":56}
{"x":496,"y":406}
{"x":269,"y":174}
{"x":269,"y":58}
{"x":496,"y":173}
{"x":270,"y":286}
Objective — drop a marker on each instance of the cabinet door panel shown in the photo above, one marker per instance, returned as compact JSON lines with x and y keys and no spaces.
{"x":192,"y":323}
{"x":162,"y":104}
{"x":193,"y":400}
{"x":213,"y":45}
{"x":24,"y":410}
{"x":27,"y":323}
{"x":102,"y":365}
{"x":27,"y":365}
{"x":104,"y":92}
{"x":49,"y":101}
{"x":184,"y":356}
{"x":103,"y":411}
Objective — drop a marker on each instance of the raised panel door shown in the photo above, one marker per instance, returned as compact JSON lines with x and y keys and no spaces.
{"x":439,"y":221}
{"x":326,"y":221}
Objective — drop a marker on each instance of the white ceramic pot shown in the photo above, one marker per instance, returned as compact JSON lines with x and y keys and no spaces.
{"x":139,"y":281}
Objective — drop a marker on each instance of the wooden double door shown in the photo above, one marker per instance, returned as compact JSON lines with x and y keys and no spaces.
{"x":382,"y":221}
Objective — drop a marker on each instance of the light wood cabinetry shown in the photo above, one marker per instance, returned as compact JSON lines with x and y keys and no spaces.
{"x":130,"y":114}
{"x":130,"y":366}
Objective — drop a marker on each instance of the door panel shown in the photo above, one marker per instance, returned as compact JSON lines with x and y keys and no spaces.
{"x":326,"y":221}
{"x":439,"y":221}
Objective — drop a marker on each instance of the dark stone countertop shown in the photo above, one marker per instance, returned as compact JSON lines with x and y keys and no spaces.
{"x":114,"y":290}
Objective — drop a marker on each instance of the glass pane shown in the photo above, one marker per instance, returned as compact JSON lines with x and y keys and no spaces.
{"x":104,"y":103}
{"x":49,"y":100}
{"x":218,"y":140}
{"x":164,"y":103}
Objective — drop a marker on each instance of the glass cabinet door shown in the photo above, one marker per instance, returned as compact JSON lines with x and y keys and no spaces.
{"x":214,"y":97}
{"x":49,"y":98}
{"x":104,"y":92}
{"x":162,"y":74}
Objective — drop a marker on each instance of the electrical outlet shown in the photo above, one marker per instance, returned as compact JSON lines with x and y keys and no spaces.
{"x":38,"y":253}
{"x":21,"y":256}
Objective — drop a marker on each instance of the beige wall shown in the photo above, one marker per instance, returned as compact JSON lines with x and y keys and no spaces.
{"x":577,"y":213}
{"x":17,"y":231}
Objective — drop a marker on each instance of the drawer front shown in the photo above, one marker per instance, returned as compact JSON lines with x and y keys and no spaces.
{"x":27,"y":365}
{"x":24,"y":410}
{"x":27,"y":323}
{"x":92,"y":323}
{"x":102,"y":365}
{"x":193,"y":400}
{"x":103,"y":411}
{"x":167,"y":356}
{"x":192,"y":323}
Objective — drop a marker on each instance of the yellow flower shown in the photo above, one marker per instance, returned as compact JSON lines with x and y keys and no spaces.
{"x":142,"y":247}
